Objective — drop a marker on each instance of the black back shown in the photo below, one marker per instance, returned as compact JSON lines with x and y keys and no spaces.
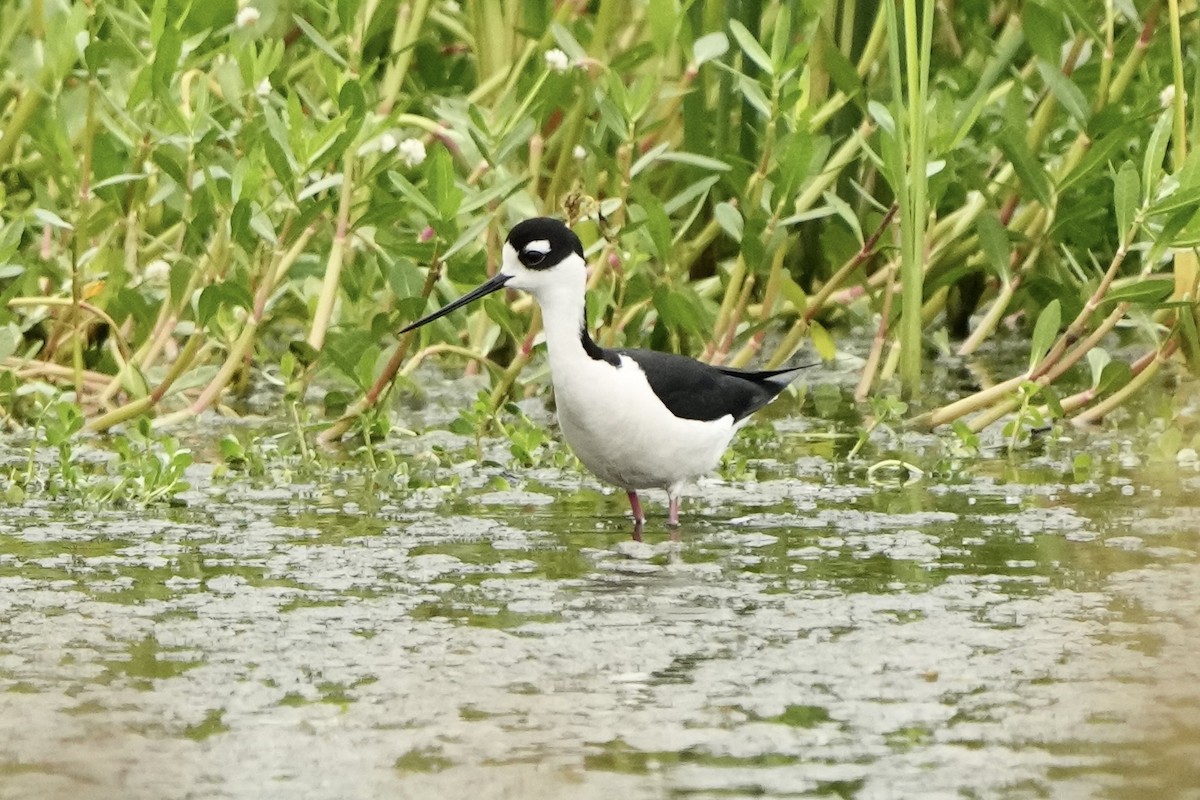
{"x":562,"y":242}
{"x":693,"y":390}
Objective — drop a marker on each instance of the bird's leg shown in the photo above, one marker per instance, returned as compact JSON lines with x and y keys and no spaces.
{"x":636,"y":507}
{"x":673,"y":511}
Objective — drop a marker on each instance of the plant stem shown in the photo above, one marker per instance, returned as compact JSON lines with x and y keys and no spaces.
{"x":337,"y":256}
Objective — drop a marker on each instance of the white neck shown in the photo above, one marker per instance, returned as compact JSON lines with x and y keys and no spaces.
{"x":563,"y":317}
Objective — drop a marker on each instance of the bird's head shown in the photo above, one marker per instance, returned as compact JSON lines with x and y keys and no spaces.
{"x":541,"y":256}
{"x":542,"y":253}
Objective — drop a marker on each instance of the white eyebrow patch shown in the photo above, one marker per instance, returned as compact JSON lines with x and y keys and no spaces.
{"x":538,"y":246}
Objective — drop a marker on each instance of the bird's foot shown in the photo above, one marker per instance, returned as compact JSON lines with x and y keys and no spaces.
{"x":635,"y":506}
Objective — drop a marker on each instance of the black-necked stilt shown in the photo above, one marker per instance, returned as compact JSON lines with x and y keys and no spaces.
{"x":638,"y":419}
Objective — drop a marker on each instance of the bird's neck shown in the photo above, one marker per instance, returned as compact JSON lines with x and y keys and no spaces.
{"x":564,"y":320}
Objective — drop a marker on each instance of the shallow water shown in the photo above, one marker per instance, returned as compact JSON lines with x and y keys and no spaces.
{"x":998,"y":628}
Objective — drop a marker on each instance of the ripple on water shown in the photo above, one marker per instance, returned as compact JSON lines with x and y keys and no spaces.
{"x":806,"y":636}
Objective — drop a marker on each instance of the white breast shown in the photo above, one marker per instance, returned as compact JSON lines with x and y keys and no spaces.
{"x":623,"y":433}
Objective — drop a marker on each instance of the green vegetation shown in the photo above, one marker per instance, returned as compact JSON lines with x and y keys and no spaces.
{"x":199,"y":198}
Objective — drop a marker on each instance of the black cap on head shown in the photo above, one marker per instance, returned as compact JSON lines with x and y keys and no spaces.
{"x":543,"y":242}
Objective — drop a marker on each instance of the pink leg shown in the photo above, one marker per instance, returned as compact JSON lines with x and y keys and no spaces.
{"x":636,"y":507}
{"x":673,"y":512}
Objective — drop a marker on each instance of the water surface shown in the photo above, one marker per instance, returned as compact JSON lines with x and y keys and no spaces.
{"x":1001,"y":627}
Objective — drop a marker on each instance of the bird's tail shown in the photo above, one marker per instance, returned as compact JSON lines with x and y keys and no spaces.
{"x":778,"y":377}
{"x":784,"y":377}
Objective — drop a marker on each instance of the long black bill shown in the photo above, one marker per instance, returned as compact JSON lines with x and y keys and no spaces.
{"x":495,"y":283}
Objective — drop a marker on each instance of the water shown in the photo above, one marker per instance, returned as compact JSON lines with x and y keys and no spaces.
{"x":1001,"y":627}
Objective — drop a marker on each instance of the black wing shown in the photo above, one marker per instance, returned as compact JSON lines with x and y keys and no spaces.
{"x":692,"y":390}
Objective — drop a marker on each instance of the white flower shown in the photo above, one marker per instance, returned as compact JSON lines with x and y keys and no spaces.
{"x":1166,"y":97}
{"x":264,"y":87}
{"x":387,"y":143}
{"x":557,"y":60}
{"x":579,"y":152}
{"x":412,"y":151}
{"x":247,"y":16}
{"x":157,"y":271}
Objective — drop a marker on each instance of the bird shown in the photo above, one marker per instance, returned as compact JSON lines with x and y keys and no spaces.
{"x":637,"y":419}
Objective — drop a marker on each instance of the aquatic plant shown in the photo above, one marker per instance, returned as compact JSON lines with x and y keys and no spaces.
{"x":196,"y":201}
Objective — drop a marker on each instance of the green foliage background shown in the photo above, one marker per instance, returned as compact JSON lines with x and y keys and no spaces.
{"x":198,"y":193}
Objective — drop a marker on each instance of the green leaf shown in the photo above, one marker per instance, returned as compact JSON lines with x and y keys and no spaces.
{"x":709,"y":47}
{"x":10,"y":239}
{"x":658,"y":225}
{"x":179,"y":278}
{"x":347,"y":10}
{"x":1044,"y":332}
{"x":1183,"y":197}
{"x":494,"y":196}
{"x":842,"y":71}
{"x":351,"y":99}
{"x":318,"y":186}
{"x":471,"y":234}
{"x":729,"y":219}
{"x":819,"y":212}
{"x":696,"y":160}
{"x":1126,"y":196}
{"x":47,"y":217}
{"x":1044,"y":31}
{"x":993,"y":240}
{"x":320,"y":148}
{"x":277,"y":157}
{"x":751,"y":47}
{"x":1066,"y":92}
{"x":1150,"y":291}
{"x":680,"y":308}
{"x":1156,"y":151}
{"x":697,"y":190}
{"x":11,"y":339}
{"x":1114,"y":375}
{"x":346,"y":348}
{"x":1053,"y":402}
{"x":1097,"y":358}
{"x":782,"y":35}
{"x":167,"y":51}
{"x":228,"y":294}
{"x":1031,"y":171}
{"x":882,"y":116}
{"x":754,"y":94}
{"x":1101,"y":153}
{"x":1181,"y":230}
{"x":443,"y":192}
{"x":663,"y":20}
{"x":822,"y":341}
{"x":843,"y":211}
{"x":419,"y":202}
{"x":320,"y":41}
{"x":567,"y":41}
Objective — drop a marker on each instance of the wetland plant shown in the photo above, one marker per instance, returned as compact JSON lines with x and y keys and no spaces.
{"x":199,"y":203}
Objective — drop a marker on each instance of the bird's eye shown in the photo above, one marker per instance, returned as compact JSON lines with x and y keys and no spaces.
{"x":532,"y":257}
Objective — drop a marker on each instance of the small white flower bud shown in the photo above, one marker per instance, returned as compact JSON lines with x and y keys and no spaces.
{"x":248,"y":16}
{"x":157,"y":271}
{"x":412,"y":151}
{"x":557,"y":60}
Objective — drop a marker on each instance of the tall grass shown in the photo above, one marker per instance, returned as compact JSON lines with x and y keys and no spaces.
{"x":200,"y":198}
